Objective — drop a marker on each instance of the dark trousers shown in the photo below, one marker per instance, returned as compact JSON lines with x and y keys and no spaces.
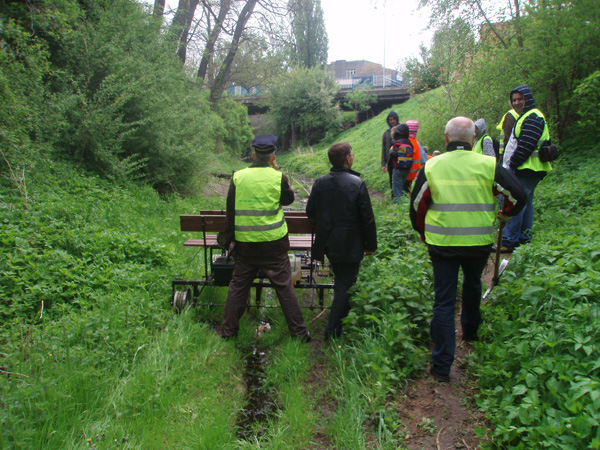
{"x":519,"y":229}
{"x":443,"y":332}
{"x":277,"y":269}
{"x":345,"y":275}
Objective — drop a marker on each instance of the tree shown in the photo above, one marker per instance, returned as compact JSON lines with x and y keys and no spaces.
{"x":452,"y":48}
{"x":256,"y":65}
{"x":474,"y":12}
{"x":180,"y":27}
{"x":421,"y":75}
{"x":222,"y":74}
{"x":159,"y":8}
{"x":303,"y":105}
{"x":215,"y":21}
{"x":221,"y":30}
{"x":361,"y":99}
{"x":310,"y":43}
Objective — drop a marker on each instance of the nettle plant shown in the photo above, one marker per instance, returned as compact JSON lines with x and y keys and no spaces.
{"x":391,"y":300}
{"x":539,"y":371}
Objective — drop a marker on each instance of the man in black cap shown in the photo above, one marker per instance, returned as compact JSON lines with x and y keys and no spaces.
{"x":257,"y":236}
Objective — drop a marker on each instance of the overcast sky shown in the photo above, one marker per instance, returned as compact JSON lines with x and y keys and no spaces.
{"x":375,"y":30}
{"x":379,"y":31}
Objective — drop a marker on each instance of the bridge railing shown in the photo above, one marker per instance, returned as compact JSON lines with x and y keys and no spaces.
{"x":377,"y":81}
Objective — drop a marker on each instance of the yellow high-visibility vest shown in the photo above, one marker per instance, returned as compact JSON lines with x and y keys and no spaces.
{"x":533,"y":162}
{"x":463,"y":206}
{"x":258,"y":213}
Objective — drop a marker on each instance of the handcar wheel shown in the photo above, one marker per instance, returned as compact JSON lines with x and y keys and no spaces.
{"x":181,"y":300}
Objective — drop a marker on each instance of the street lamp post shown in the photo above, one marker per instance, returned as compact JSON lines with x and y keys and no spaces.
{"x":384,"y":17}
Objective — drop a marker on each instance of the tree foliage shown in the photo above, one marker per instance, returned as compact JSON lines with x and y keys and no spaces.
{"x":446,"y":65}
{"x":421,"y":75}
{"x":587,"y":99}
{"x":108,"y":93}
{"x":303,"y":104}
{"x":361,"y":98}
{"x":310,"y":42}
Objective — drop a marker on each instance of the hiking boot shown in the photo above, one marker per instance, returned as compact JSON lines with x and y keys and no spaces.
{"x":506,"y":249}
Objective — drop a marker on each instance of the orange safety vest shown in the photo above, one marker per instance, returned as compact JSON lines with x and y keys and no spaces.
{"x":417,"y":164}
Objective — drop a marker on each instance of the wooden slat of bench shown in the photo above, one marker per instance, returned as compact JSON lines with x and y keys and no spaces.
{"x":222,"y":212}
{"x":194,"y":222}
{"x":297,"y":242}
{"x":297,"y":224}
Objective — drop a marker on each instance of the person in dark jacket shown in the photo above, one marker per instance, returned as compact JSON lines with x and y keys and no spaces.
{"x":521,"y":157}
{"x":340,"y":208}
{"x":257,"y":237}
{"x":453,"y":207}
{"x":386,"y":143}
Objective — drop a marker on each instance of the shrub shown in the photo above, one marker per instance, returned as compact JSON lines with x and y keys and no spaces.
{"x":303,"y":105}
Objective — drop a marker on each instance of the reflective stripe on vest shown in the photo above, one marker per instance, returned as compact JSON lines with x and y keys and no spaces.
{"x":417,"y":164}
{"x":533,"y":162}
{"x":463,"y":206}
{"x":258,"y":213}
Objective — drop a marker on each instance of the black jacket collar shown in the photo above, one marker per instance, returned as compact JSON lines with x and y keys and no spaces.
{"x":458,"y":145}
{"x":344,"y":169}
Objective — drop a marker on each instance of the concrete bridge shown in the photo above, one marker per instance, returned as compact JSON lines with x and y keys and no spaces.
{"x":386,"y":97}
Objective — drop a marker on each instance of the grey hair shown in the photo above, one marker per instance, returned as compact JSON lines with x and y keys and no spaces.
{"x":460,"y":129}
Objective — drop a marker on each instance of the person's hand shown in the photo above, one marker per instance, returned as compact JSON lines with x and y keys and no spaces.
{"x":502,"y":217}
{"x":383,"y":169}
{"x":274,"y":165}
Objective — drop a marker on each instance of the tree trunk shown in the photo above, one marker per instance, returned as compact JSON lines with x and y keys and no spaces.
{"x":159,"y":8}
{"x":221,"y":79}
{"x":181,"y":25}
{"x":492,"y":27}
{"x":518,"y":23}
{"x":209,"y":49}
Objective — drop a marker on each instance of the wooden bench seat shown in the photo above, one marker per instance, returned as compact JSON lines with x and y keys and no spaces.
{"x":300,"y":229}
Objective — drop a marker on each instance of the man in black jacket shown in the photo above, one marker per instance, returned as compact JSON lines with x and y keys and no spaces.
{"x":340,"y":207}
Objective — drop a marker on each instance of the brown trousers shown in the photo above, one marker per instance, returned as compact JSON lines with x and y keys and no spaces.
{"x":277,"y":269}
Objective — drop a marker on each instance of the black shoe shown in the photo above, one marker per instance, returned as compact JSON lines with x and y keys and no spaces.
{"x":470,"y":337}
{"x":439,"y":377}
